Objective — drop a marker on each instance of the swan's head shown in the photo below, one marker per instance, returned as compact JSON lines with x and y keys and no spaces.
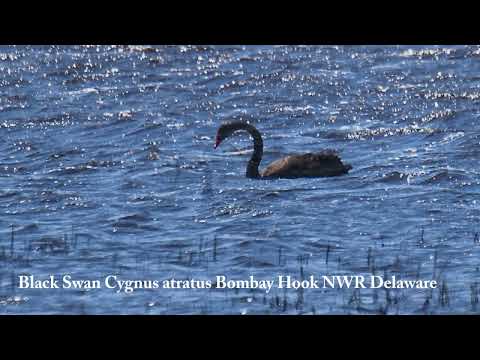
{"x":226,"y":130}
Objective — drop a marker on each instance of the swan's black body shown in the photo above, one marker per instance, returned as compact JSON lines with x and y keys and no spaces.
{"x":324,"y":163}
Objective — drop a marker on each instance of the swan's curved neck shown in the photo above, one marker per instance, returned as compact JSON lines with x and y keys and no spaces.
{"x":253,"y":164}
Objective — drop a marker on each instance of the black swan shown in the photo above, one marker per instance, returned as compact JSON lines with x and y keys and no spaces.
{"x":324,"y":163}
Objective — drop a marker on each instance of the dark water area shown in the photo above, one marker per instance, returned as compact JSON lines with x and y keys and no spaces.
{"x":107,"y":167}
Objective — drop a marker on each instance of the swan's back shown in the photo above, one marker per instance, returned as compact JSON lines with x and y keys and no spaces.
{"x":324,"y":163}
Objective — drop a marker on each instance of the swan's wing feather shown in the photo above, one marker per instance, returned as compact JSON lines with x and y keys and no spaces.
{"x":324,"y":163}
{"x":278,"y":167}
{"x":325,"y":158}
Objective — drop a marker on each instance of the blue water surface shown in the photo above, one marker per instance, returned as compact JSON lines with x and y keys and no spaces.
{"x":107,"y":167}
